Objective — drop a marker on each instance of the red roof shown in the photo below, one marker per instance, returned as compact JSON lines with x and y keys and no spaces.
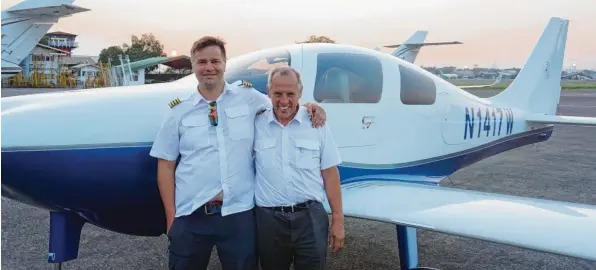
{"x":62,"y":33}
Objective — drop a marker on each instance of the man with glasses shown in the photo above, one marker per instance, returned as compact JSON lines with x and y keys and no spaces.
{"x":209,"y":196}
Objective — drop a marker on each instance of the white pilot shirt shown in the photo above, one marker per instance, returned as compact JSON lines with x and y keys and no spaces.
{"x":212,"y":158}
{"x":289,"y":159}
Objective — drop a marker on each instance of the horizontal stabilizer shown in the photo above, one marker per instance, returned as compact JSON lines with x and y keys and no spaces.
{"x":50,"y":10}
{"x":424,"y":44}
{"x":562,"y":120}
{"x":38,"y":9}
{"x":549,"y":226}
{"x":25,"y":24}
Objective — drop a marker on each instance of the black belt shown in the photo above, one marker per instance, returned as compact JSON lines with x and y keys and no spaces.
{"x":291,"y":208}
{"x":212,"y":207}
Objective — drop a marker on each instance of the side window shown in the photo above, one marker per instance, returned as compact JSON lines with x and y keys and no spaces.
{"x":348,"y":78}
{"x":416,"y":89}
{"x":255,"y":67}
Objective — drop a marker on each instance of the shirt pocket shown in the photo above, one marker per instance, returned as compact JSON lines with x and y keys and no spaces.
{"x":239,"y":123}
{"x":195,"y":132}
{"x":308,"y":154}
{"x":265,"y":153}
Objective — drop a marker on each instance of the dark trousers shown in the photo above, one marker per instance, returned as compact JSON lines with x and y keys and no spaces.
{"x":192,"y":239}
{"x":300,"y":237}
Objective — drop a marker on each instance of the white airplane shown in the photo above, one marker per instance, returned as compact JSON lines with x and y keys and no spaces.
{"x":84,"y":155}
{"x":409,"y":50}
{"x":24,"y":24}
{"x":497,"y":81}
{"x":448,"y":76}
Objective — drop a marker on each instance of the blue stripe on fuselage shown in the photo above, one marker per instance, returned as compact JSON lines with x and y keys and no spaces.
{"x":116,"y":188}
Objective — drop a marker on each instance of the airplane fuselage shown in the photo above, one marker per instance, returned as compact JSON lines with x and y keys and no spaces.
{"x":88,"y":151}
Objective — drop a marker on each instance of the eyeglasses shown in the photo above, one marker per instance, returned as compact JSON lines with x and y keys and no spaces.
{"x":213,"y":113}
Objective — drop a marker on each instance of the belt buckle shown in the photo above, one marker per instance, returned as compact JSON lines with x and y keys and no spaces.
{"x":284,"y":207}
{"x":208,"y":205}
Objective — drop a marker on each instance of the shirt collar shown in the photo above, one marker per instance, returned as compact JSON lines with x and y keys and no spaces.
{"x":300,"y":115}
{"x":197,"y":97}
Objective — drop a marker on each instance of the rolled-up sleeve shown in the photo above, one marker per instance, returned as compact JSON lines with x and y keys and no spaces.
{"x":329,"y":153}
{"x":166,"y":144}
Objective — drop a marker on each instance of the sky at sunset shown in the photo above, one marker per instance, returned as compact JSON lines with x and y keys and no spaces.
{"x":500,"y":33}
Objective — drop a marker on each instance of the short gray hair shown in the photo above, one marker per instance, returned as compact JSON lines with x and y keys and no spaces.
{"x":285,"y":71}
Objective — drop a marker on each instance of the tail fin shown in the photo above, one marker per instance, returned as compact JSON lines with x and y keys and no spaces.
{"x":410,"y":48}
{"x":537,"y":87}
{"x":25,"y":23}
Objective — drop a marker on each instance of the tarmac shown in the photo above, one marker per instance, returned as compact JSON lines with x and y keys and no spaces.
{"x":562,"y":168}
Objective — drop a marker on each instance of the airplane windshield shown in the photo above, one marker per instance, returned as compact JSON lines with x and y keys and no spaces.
{"x":255,"y":67}
{"x":252,"y":67}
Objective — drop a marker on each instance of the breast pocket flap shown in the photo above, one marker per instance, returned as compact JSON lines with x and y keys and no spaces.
{"x":265,"y":144}
{"x":307,"y":144}
{"x":237,"y":111}
{"x":195,"y":121}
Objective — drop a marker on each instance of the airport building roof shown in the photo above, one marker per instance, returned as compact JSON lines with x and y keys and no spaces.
{"x":175,"y":62}
{"x":49,"y":48}
{"x":60,"y":33}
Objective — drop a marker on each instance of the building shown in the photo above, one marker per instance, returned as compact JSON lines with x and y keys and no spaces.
{"x":41,"y":68}
{"x":61,"y":40}
{"x":135,"y":73}
{"x":579,"y":75}
{"x":52,"y":64}
{"x":75,"y":60}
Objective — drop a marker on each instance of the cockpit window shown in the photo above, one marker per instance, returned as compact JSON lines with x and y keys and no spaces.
{"x":348,"y":78}
{"x":255,"y":67}
{"x":416,"y":89}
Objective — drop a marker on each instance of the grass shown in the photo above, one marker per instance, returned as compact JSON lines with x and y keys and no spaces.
{"x":565,"y":87}
{"x":565,"y":84}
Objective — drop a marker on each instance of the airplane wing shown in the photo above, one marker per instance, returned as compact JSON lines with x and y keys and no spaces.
{"x":561,"y":119}
{"x":8,"y":67}
{"x":549,"y":226}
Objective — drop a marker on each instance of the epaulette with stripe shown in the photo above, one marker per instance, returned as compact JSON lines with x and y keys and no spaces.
{"x":261,"y":111}
{"x":174,"y":102}
{"x":245,"y":84}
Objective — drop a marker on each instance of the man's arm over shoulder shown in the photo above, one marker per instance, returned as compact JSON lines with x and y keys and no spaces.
{"x":255,"y":99}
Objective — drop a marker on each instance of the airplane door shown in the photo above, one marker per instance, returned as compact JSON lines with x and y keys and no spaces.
{"x":349,"y":87}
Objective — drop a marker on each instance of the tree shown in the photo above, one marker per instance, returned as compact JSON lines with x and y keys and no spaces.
{"x":111,"y":53}
{"x":44,"y":40}
{"x":145,"y":47}
{"x":140,"y":48}
{"x":318,"y":39}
